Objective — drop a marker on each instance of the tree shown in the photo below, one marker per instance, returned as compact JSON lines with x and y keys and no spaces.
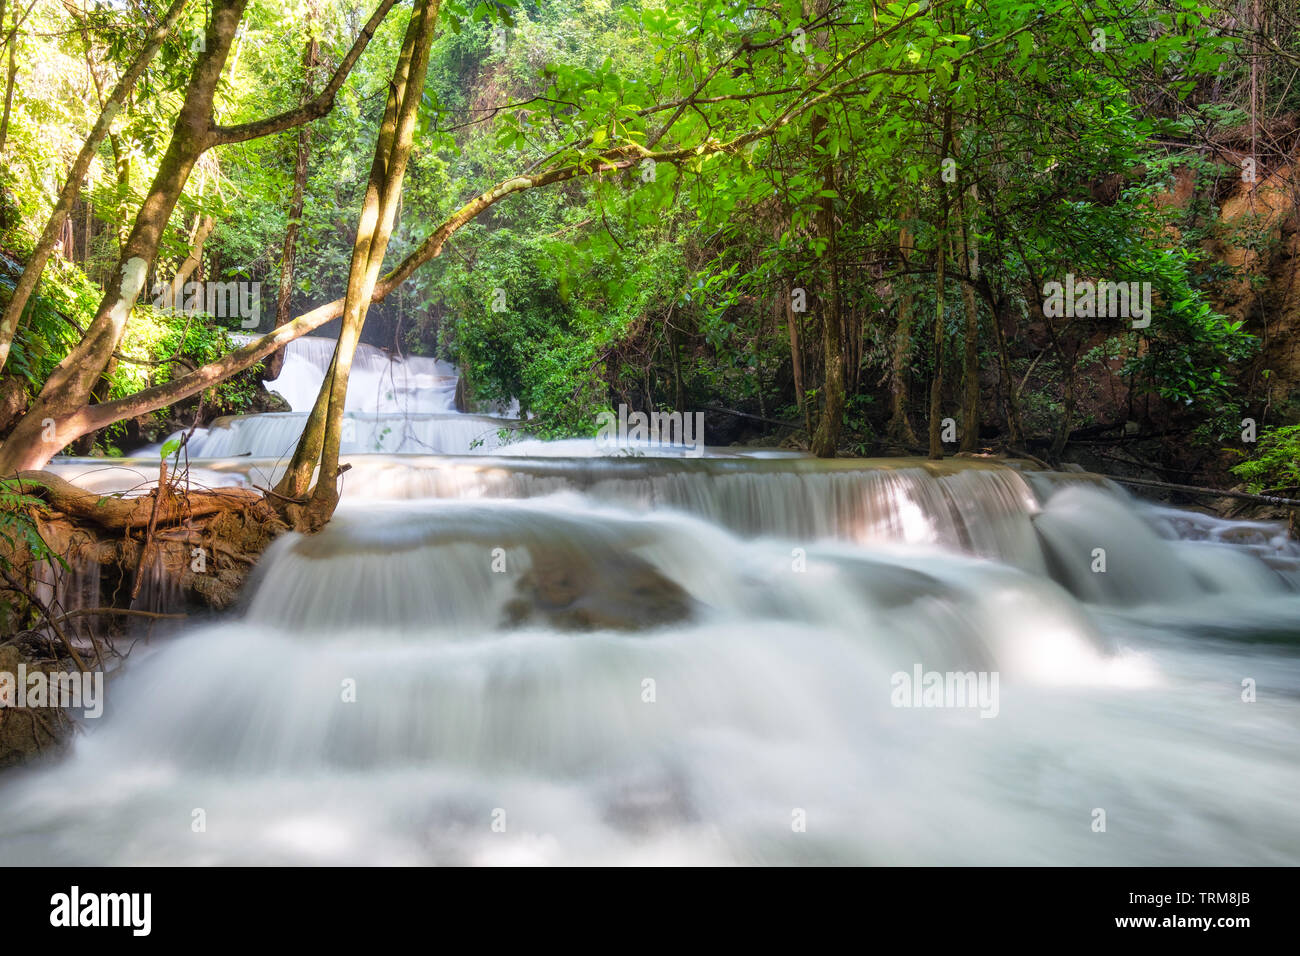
{"x":31,"y":274}
{"x":323,"y":434}
{"x":60,"y":413}
{"x":289,"y":255}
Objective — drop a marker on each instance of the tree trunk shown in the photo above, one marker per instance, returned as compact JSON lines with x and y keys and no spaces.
{"x":88,"y":234}
{"x":1011,"y":400}
{"x":826,"y":438}
{"x":940,"y":255}
{"x":936,"y":384}
{"x":297,"y":478}
{"x":796,"y":351}
{"x":900,"y":429}
{"x":970,"y":406}
{"x":175,"y":294}
{"x":392,"y":151}
{"x":288,"y":257}
{"x":27,"y":282}
{"x":9,"y":82}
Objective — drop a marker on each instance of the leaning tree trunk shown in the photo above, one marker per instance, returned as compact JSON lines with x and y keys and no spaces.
{"x":175,"y":295}
{"x":375,"y":226}
{"x":72,"y":185}
{"x":56,"y":416}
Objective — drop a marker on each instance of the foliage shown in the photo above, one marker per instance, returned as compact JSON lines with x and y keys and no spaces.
{"x":1275,"y":465}
{"x":18,"y":529}
{"x":667,"y":286}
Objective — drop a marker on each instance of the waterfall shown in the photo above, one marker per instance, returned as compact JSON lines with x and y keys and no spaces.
{"x":378,"y":381}
{"x":1048,"y":525}
{"x":380,"y":699}
{"x":275,"y":435}
{"x":541,"y":656}
{"x":399,"y":405}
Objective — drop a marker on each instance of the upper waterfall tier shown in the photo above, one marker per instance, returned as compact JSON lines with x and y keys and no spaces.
{"x":379,"y":381}
{"x":276,"y":434}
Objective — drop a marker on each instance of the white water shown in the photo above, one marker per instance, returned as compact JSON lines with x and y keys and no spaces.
{"x":395,"y":404}
{"x":378,"y":381}
{"x":807,"y":586}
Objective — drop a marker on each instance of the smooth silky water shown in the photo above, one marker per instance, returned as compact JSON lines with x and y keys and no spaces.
{"x":760,"y":727}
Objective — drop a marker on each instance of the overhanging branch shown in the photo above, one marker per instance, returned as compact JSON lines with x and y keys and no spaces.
{"x":314,"y":108}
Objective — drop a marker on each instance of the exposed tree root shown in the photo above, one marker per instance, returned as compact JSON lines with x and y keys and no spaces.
{"x":160,"y":556}
{"x":111,"y":512}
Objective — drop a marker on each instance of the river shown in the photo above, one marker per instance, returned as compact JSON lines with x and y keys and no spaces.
{"x":541,"y":655}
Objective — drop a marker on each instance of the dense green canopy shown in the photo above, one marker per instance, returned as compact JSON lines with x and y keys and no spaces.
{"x":842,"y":216}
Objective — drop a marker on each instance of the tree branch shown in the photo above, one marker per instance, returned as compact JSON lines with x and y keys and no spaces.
{"x":315,"y":108}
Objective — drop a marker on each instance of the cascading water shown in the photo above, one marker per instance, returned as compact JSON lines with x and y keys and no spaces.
{"x":662,"y":660}
{"x":394,"y":404}
{"x":378,"y":381}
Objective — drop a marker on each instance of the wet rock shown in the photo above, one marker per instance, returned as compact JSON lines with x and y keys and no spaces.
{"x":574,"y":591}
{"x":267,"y":401}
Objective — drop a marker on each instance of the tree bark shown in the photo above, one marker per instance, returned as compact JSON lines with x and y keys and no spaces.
{"x":175,"y":297}
{"x":936,"y":384}
{"x":900,"y":428}
{"x":10,"y":76}
{"x":117,"y":513}
{"x":1011,"y":400}
{"x":796,"y":353}
{"x":940,"y":254}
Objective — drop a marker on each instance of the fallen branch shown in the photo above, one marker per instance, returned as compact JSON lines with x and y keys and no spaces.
{"x":797,"y":426}
{"x":89,"y":611}
{"x":159,"y":491}
{"x":1207,"y":492}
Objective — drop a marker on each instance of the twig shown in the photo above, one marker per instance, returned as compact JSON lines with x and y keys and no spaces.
{"x":88,"y":611}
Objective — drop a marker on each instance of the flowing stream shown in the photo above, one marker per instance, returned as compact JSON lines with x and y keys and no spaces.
{"x":496,"y":657}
